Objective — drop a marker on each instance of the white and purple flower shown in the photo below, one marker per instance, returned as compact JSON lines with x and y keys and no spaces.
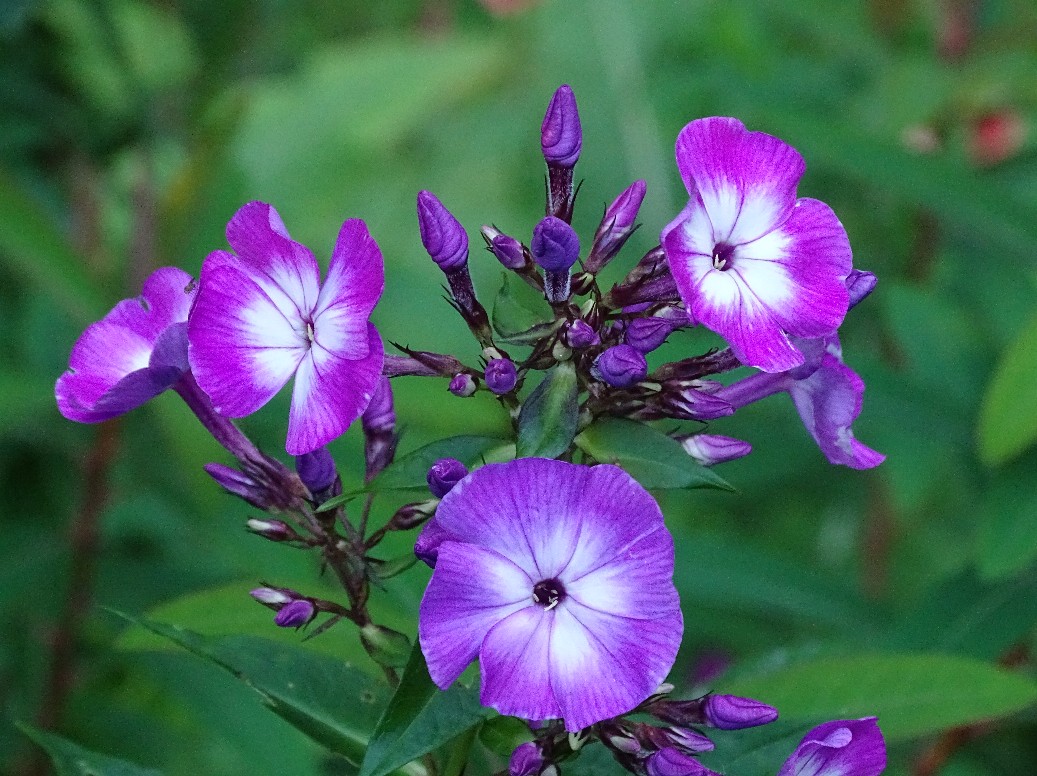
{"x":559,"y":579}
{"x":750,"y":260}
{"x":851,"y":747}
{"x":137,"y":351}
{"x":261,"y":316}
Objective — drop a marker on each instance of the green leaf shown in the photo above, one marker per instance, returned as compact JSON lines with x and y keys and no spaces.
{"x":420,"y":718}
{"x":652,"y":458}
{"x":912,"y":695}
{"x":519,"y":311}
{"x":757,"y":751}
{"x":1007,"y":422}
{"x":502,"y":734}
{"x":70,"y":759}
{"x":547,"y":421}
{"x":330,"y":701}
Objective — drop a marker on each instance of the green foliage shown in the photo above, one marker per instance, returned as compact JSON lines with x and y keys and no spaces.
{"x":1007,"y":422}
{"x":70,"y":759}
{"x":547,"y":421}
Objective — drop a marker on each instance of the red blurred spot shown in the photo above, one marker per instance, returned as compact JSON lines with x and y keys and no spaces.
{"x":996,"y":136}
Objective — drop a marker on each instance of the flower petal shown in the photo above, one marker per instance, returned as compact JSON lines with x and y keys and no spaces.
{"x":631,"y":657}
{"x":515,"y":665}
{"x":356,"y":275}
{"x":283,"y":268}
{"x":330,"y":392}
{"x":242,"y":348}
{"x":852,"y":747}
{"x":472,"y":589}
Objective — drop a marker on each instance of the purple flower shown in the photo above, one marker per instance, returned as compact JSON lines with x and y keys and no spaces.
{"x":261,"y":317}
{"x":442,"y":235}
{"x":138,"y":350}
{"x":462,"y":385}
{"x":672,"y":762}
{"x":561,"y":137}
{"x":579,"y":334}
{"x":240,"y":484}
{"x":296,"y":614}
{"x":500,"y":375}
{"x":526,"y":760}
{"x":751,"y":261}
{"x":616,"y":226}
{"x":621,"y":366}
{"x":507,"y":249}
{"x":852,"y":747}
{"x":555,"y":245}
{"x":711,"y":449}
{"x":646,"y":334}
{"x":559,"y":578}
{"x":316,"y":469}
{"x":444,"y":475}
{"x":730,"y":712}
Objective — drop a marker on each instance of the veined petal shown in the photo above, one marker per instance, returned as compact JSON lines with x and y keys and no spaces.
{"x":472,"y":589}
{"x":745,"y":180}
{"x":515,"y":664}
{"x":330,"y":392}
{"x":852,"y":747}
{"x":356,"y":275}
{"x":635,"y":656}
{"x":285,"y":270}
{"x":242,"y":348}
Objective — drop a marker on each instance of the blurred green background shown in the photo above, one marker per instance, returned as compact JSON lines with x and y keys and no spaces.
{"x":130,"y":132}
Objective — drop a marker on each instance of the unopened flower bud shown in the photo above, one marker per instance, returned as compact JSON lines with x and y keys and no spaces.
{"x":411,"y":515}
{"x":672,"y":762}
{"x":444,"y":475}
{"x":561,"y":137}
{"x":579,"y":335}
{"x":621,"y":366}
{"x":379,"y":424}
{"x":526,"y":760}
{"x":442,"y":235}
{"x":730,"y":712}
{"x":296,"y":614}
{"x":616,"y":226}
{"x":269,"y":596}
{"x":274,"y":530}
{"x":688,"y":740}
{"x":506,"y":248}
{"x":241,"y":485}
{"x":646,"y":334}
{"x":694,"y":403}
{"x":316,"y":470}
{"x":500,"y":375}
{"x":462,"y":385}
{"x":860,"y":284}
{"x":555,"y":245}
{"x":711,"y":449}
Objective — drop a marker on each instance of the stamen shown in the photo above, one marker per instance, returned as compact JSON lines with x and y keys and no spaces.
{"x":309,"y":331}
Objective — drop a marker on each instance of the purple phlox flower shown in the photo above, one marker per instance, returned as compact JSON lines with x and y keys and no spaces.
{"x":561,"y":137}
{"x":672,"y":762}
{"x":134,"y":353}
{"x":579,"y":335}
{"x":261,"y":316}
{"x":618,"y":223}
{"x":500,"y":375}
{"x":316,"y":469}
{"x":852,"y":747}
{"x":507,"y":249}
{"x":827,"y":394}
{"x":559,"y":579}
{"x":442,"y":235}
{"x":731,"y":712}
{"x":711,"y":449}
{"x":462,"y":385}
{"x":621,"y":366}
{"x":751,"y":261}
{"x":526,"y":760}
{"x":296,"y":614}
{"x":444,"y":475}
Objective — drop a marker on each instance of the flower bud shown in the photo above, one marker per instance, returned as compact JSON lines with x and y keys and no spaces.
{"x":442,"y":235}
{"x":239,"y":484}
{"x":507,"y":249}
{"x":296,"y":614}
{"x":444,"y":475}
{"x":711,"y":449}
{"x":621,"y":366}
{"x":687,"y":740}
{"x":579,"y":334}
{"x":526,"y":760}
{"x":693,"y":403}
{"x":671,"y":762}
{"x":852,"y":747}
{"x":274,"y":530}
{"x":860,"y":284}
{"x":729,"y":712}
{"x":500,"y":375}
{"x":616,"y":226}
{"x":555,"y":245}
{"x":646,"y":334}
{"x":272,"y":597}
{"x":380,"y":415}
{"x":462,"y":385}
{"x":411,"y":515}
{"x":561,"y":137}
{"x":316,"y":470}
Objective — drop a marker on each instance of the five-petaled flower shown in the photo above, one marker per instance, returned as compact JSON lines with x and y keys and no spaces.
{"x":751,"y":261}
{"x":262,"y":316}
{"x":559,"y":578}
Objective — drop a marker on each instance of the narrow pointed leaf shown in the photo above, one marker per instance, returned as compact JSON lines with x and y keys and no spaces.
{"x":547,"y":421}
{"x":70,"y":759}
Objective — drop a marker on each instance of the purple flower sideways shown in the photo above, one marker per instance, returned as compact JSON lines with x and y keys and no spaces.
{"x":751,"y":261}
{"x":559,"y":579}
{"x":852,"y":747}
{"x":262,"y":316}
{"x":138,"y":350}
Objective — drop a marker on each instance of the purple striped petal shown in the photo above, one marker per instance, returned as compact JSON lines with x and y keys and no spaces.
{"x":330,"y":392}
{"x":472,"y":590}
{"x":515,"y":660}
{"x":356,"y":279}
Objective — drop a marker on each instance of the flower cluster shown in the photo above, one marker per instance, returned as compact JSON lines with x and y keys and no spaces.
{"x":553,"y":570}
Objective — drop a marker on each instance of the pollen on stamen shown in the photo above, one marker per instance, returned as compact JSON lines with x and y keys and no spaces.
{"x":309,"y":331}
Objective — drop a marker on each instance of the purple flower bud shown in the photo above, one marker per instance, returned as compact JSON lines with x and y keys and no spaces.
{"x":621,"y":366}
{"x":560,"y":135}
{"x":688,"y":740}
{"x":672,"y":762}
{"x":411,"y":515}
{"x":711,"y":449}
{"x":579,"y":334}
{"x":729,"y":712}
{"x":852,"y":747}
{"x":269,"y":596}
{"x":442,"y":235}
{"x":445,"y":474}
{"x":241,"y":485}
{"x":506,"y":248}
{"x":316,"y":469}
{"x":526,"y":760}
{"x":860,"y":283}
{"x":500,"y":375}
{"x":694,"y":403}
{"x":379,"y":415}
{"x":296,"y":614}
{"x":555,"y":245}
{"x":462,"y":385}
{"x":274,"y":530}
{"x":646,"y":334}
{"x":616,"y":226}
